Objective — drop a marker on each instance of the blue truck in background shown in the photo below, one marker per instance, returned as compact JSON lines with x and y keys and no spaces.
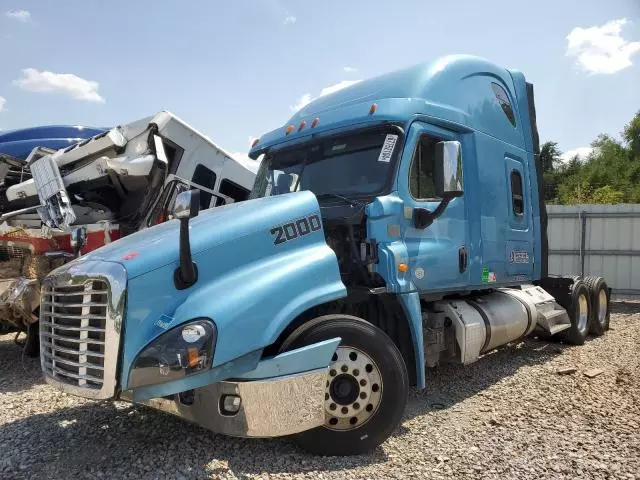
{"x":20,"y":143}
{"x":394,"y":225}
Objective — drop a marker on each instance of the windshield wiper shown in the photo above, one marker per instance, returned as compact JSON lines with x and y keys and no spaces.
{"x":353,"y":203}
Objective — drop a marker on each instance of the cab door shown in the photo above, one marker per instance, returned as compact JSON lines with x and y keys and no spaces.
{"x":519,"y":241}
{"x":438,"y":254}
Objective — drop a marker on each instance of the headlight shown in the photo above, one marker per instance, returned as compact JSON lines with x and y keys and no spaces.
{"x":180,"y":352}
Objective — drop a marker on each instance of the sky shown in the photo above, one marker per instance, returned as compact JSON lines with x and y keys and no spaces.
{"x":237,"y":69}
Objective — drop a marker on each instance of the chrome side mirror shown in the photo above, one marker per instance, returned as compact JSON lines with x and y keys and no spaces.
{"x":187,"y":205}
{"x":448,"y":170}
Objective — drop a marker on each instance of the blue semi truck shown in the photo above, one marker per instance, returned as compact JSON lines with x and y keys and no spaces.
{"x":393,"y":225}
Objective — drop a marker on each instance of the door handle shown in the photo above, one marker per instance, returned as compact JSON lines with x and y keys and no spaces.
{"x":463,"y":259}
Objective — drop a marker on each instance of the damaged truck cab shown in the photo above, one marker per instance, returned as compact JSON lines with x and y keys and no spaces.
{"x":393,"y":225}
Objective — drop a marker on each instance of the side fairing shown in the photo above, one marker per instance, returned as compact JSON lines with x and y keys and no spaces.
{"x":252,"y":285}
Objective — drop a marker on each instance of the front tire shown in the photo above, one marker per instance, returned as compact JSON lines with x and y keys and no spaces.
{"x":32,"y":344}
{"x":367,"y":386}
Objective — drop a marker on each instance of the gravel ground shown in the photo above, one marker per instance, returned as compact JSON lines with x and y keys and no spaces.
{"x":510,"y":415}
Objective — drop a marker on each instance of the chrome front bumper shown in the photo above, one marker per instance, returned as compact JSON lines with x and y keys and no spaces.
{"x":270,"y":408}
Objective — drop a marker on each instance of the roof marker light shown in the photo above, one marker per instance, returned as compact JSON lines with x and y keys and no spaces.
{"x":373,"y":108}
{"x":255,"y":142}
{"x":289,"y":129}
{"x":302,"y":125}
{"x":315,"y":122}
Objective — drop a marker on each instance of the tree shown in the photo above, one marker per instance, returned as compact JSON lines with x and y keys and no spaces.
{"x":549,"y":155}
{"x":631,"y":135}
{"x":610,"y":174}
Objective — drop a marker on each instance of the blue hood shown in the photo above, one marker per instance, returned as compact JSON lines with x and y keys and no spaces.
{"x":155,"y":247}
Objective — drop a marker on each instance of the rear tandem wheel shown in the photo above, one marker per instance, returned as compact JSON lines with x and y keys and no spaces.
{"x":599,"y":297}
{"x":579,"y":310}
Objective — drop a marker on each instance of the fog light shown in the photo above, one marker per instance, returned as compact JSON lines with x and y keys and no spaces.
{"x":230,"y":404}
{"x":186,"y":398}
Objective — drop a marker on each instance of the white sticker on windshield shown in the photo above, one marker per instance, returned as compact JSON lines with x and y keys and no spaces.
{"x":387,"y":148}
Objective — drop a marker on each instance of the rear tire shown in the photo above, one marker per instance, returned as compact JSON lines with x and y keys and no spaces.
{"x":367,"y":386}
{"x":599,"y":298}
{"x":579,"y":313}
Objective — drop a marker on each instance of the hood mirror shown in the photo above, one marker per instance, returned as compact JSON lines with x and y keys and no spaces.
{"x":187,"y":205}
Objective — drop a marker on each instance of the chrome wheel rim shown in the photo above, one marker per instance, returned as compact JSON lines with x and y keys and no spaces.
{"x":353,"y":391}
{"x":602,"y":307}
{"x":583,"y":312}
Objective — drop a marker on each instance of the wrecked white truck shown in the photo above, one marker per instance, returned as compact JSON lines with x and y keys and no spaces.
{"x":77,"y":199}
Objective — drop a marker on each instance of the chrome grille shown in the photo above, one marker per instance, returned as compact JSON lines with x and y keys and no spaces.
{"x":80,"y":319}
{"x":73,"y":321}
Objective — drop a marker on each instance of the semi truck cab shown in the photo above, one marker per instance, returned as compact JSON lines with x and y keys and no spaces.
{"x":393,"y":225}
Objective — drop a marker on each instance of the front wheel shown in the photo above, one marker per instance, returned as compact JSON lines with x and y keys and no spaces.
{"x":32,"y":344}
{"x":366,"y":390}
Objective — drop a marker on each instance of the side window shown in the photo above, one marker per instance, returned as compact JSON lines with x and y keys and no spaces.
{"x":421,"y":184}
{"x":207,"y":178}
{"x":174,"y":154}
{"x":233,"y":190}
{"x":517,"y":199}
{"x":503,"y":100}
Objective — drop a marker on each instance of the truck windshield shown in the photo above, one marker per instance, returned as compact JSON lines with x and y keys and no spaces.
{"x":353,"y":165}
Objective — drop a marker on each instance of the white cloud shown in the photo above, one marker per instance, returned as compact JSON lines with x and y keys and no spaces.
{"x":2,"y":102}
{"x":305,"y":99}
{"x":20,"y":15}
{"x":44,"y":82}
{"x":581,"y":152}
{"x":350,"y":69}
{"x":289,"y":19}
{"x":601,"y":49}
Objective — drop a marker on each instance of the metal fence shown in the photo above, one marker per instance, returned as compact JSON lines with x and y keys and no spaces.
{"x":597,"y":240}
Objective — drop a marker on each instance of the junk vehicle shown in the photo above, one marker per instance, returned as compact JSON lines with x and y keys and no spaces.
{"x":15,"y":147}
{"x":394,"y":225}
{"x":75,"y":199}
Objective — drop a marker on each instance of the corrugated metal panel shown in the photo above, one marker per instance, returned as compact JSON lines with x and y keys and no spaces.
{"x":611,"y":242}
